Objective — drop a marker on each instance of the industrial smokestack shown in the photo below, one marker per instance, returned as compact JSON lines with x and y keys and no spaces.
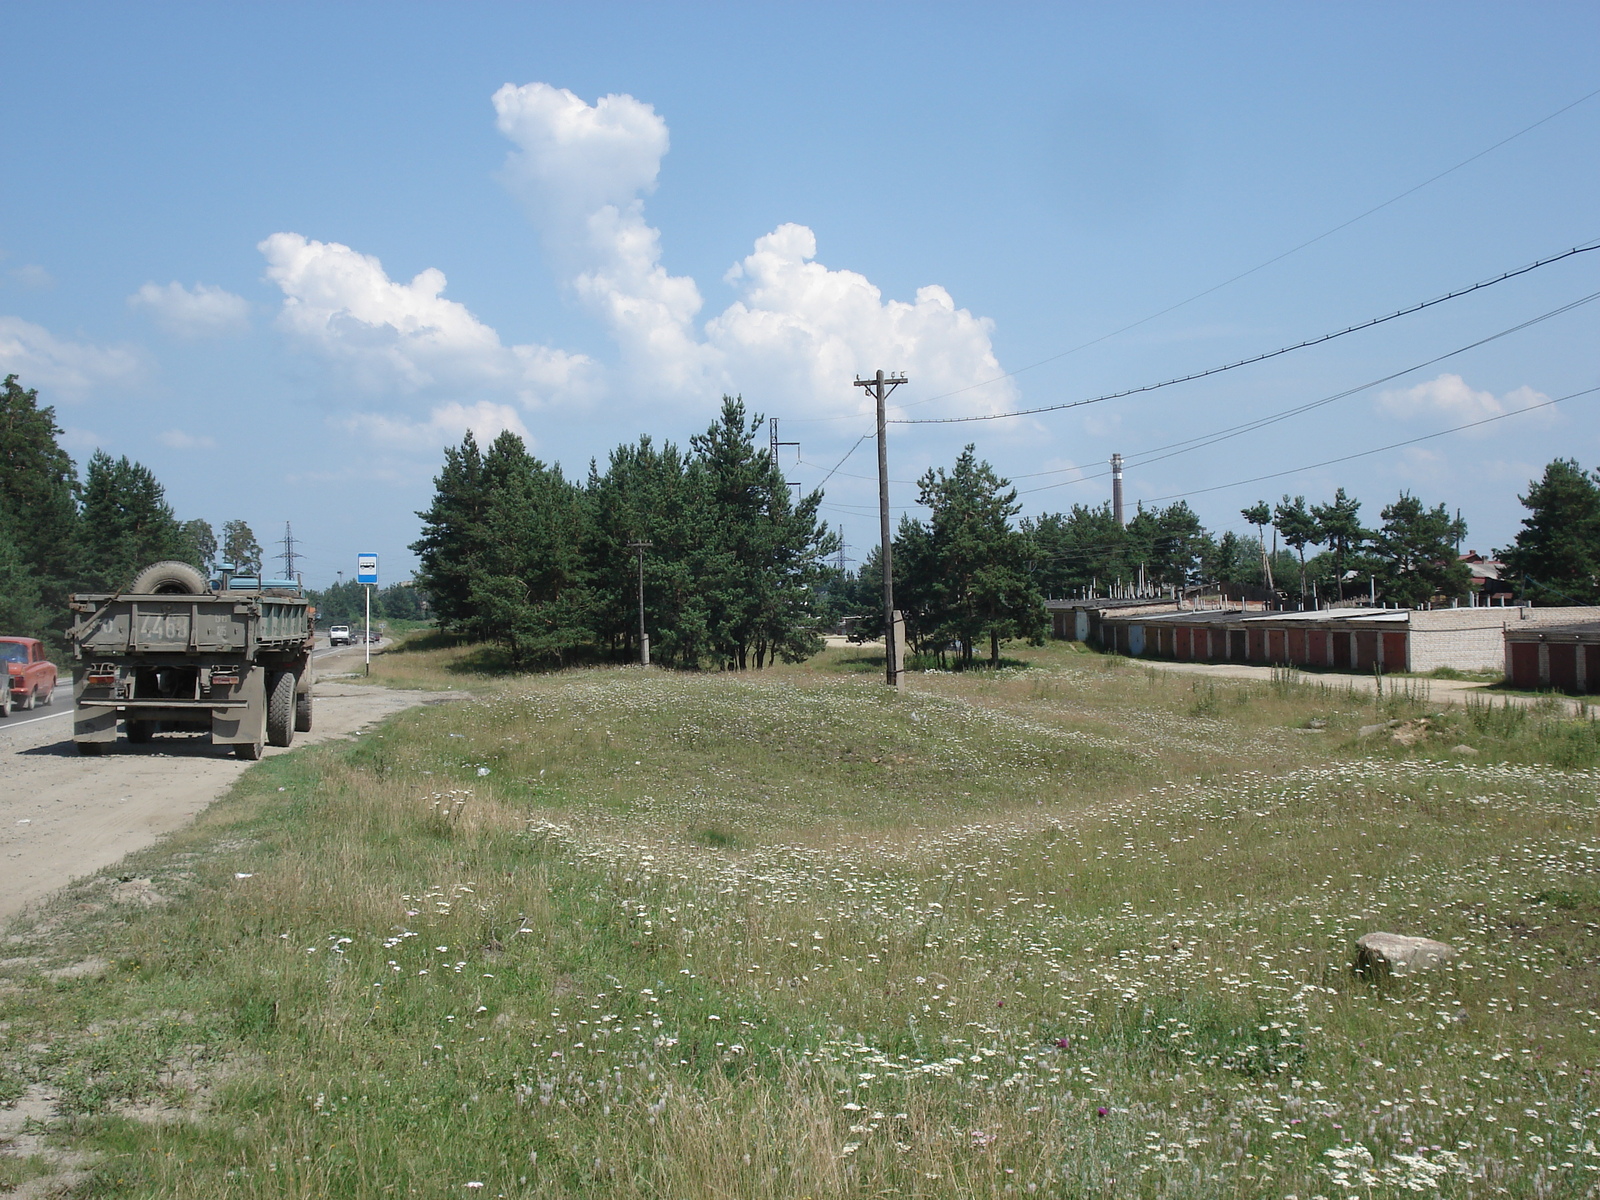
{"x":1116,"y":488}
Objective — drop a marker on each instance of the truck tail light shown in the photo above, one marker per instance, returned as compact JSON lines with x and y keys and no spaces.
{"x":229,"y":680}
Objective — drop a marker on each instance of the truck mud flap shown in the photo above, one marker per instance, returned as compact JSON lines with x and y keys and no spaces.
{"x":93,"y":723}
{"x":246,"y":725}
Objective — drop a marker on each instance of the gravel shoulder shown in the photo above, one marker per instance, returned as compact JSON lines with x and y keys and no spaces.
{"x":63,"y":816}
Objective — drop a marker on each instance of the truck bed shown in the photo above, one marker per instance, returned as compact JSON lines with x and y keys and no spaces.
{"x":234,"y":624}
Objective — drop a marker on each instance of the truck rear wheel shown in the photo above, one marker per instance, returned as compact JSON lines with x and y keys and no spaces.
{"x":280,"y":708}
{"x":302,"y":712}
{"x":169,"y":578}
{"x":91,"y":749}
{"x":140,"y":732}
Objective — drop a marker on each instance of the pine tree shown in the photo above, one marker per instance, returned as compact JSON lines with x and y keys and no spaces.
{"x":1078,"y":551}
{"x":39,"y":491}
{"x":1339,"y":529}
{"x":239,"y":547}
{"x":645,"y":496}
{"x":1299,"y":528}
{"x":1259,"y":514}
{"x":1173,"y":553}
{"x":1415,"y":554}
{"x":1230,"y":562}
{"x":975,"y":573}
{"x":22,"y":609}
{"x":529,"y":588}
{"x":127,"y":523}
{"x":1556,"y":557}
{"x":200,"y":544}
{"x":759,"y":552}
{"x":451,"y":544}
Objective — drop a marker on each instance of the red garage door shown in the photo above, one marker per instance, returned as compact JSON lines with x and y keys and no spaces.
{"x":1341,"y":649}
{"x":1316,"y":648}
{"x":1394,"y":652}
{"x":1182,"y":643}
{"x":1366,"y":650}
{"x":1564,"y":666}
{"x":1525,"y":665}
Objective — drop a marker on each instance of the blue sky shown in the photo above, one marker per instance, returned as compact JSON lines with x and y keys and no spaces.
{"x":284,"y":254}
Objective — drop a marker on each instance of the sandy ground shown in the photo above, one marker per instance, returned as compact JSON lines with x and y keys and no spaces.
{"x":63,"y":815}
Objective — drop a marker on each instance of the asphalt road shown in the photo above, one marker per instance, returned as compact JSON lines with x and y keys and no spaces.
{"x":63,"y":815}
{"x":61,"y":701}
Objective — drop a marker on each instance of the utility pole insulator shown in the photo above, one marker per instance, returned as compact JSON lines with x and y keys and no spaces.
{"x":881,"y":386}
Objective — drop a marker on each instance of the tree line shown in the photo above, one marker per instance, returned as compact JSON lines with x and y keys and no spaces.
{"x":344,"y":603}
{"x":1410,"y":559}
{"x":60,"y":533}
{"x":734,"y":566}
{"x":968,"y":574}
{"x":515,"y":553}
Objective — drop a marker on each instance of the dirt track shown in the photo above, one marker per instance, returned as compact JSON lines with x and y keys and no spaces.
{"x":63,"y":815}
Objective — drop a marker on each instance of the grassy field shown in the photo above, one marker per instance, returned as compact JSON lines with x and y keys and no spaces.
{"x":1074,"y":928}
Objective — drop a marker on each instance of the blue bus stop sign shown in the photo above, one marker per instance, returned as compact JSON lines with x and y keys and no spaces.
{"x":366,"y":568}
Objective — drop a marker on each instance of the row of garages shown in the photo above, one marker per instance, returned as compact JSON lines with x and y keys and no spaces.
{"x":1562,"y":658}
{"x":1536,"y":648}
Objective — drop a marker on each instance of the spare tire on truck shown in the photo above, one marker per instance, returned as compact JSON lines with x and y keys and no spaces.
{"x":169,"y":578}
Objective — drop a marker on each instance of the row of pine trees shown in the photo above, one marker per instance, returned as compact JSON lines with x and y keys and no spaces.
{"x":735,"y":566}
{"x":60,"y":534}
{"x":513,"y":552}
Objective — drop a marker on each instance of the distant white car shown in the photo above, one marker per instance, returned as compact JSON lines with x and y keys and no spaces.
{"x":338,"y":635}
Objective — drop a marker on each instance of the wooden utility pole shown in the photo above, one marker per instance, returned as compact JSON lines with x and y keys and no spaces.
{"x":644,"y":638}
{"x":881,"y":386}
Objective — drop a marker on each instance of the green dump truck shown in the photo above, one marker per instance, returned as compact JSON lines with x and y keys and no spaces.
{"x":180,"y":653}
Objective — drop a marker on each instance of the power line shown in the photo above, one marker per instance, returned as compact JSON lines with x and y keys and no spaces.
{"x":1377,"y":208}
{"x":1172,"y":449}
{"x":1256,"y":358}
{"x":1200,"y":441}
{"x":1378,"y":449}
{"x":842,"y":461}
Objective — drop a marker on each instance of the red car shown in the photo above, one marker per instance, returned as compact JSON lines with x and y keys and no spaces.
{"x":30,"y":675}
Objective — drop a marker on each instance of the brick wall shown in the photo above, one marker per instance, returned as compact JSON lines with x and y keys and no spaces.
{"x":1470,"y":639}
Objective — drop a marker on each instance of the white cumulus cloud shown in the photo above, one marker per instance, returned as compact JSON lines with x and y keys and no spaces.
{"x":59,"y":368}
{"x":405,"y":336}
{"x":804,"y":331}
{"x":445,"y":425}
{"x":582,"y":171}
{"x":572,"y":158}
{"x":1451,"y":396}
{"x":797,"y":331}
{"x":201,"y":311}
